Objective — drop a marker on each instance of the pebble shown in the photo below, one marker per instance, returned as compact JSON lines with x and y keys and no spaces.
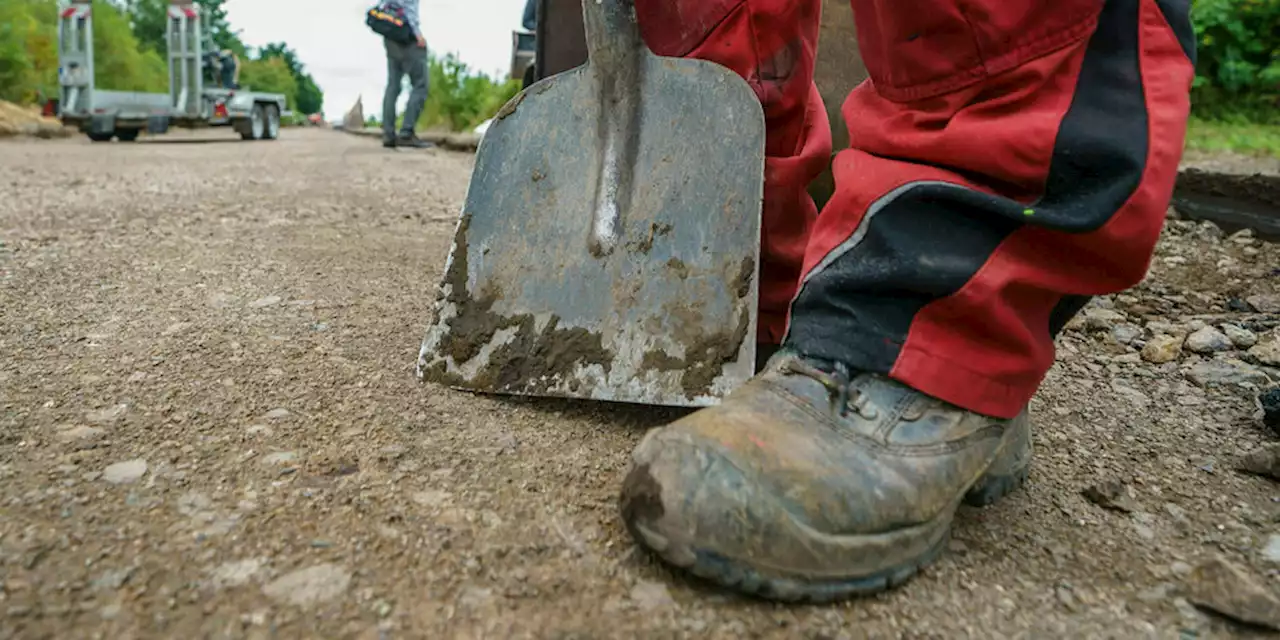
{"x":1272,"y":551}
{"x":125,"y":472}
{"x":650,"y":595}
{"x":1102,"y":319}
{"x":1264,"y":462}
{"x":1264,"y":303}
{"x":262,"y":303}
{"x":309,"y":587}
{"x":108,"y":415}
{"x":1220,"y":586}
{"x":1226,"y":372}
{"x":1162,"y":349}
{"x":279,"y":458}
{"x":1240,"y":337}
{"x":1243,"y":237}
{"x":277,"y":414}
{"x":1268,"y":351}
{"x":1208,"y":340}
{"x":235,"y":574}
{"x":1238,"y":306}
{"x":1126,"y":333}
{"x":1112,"y":495}
{"x":1209,"y":231}
{"x":79,"y":433}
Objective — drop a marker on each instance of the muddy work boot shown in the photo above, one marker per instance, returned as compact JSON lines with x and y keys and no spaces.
{"x":411,"y":141}
{"x":810,"y":483}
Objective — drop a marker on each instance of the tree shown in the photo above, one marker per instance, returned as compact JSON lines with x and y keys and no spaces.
{"x":310,"y":98}
{"x":150,"y":20}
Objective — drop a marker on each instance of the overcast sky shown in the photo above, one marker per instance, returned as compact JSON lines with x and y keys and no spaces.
{"x":347,"y":59}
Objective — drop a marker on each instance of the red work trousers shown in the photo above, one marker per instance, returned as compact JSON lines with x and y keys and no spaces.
{"x":1008,"y":159}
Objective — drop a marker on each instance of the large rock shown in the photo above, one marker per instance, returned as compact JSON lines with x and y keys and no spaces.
{"x":1265,"y":303}
{"x":1226,"y":372}
{"x":1268,"y":351}
{"x":1221,"y":587}
{"x":1162,"y":349}
{"x":1208,"y":340}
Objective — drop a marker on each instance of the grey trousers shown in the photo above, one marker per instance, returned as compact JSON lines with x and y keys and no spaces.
{"x":404,"y":59}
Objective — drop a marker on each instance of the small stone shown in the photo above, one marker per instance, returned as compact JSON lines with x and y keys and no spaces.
{"x":1145,"y":532}
{"x":1242,"y":237}
{"x":1263,"y":462}
{"x":1240,"y":337}
{"x":1236,"y":305}
{"x":262,"y":303}
{"x":125,"y":472}
{"x":1157,"y":327}
{"x":1221,"y":587}
{"x":1208,"y":340}
{"x":1112,"y":495}
{"x":1126,"y":333}
{"x":235,"y":574}
{"x":1102,"y":319}
{"x":108,"y":415}
{"x":1180,"y":568}
{"x":1226,"y":372}
{"x":1176,"y":512}
{"x":1268,"y":351}
{"x":259,"y":430}
{"x":1264,"y":303}
{"x":311,"y":586}
{"x":1162,"y":349}
{"x":1209,"y":232}
{"x":1272,"y":551}
{"x":279,"y":458}
{"x":175,"y":328}
{"x":277,"y":414}
{"x":649,"y":595}
{"x":79,"y":433}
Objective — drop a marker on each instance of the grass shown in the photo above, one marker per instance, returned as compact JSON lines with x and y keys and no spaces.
{"x":1241,"y":137}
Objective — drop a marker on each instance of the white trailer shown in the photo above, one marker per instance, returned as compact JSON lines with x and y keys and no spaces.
{"x":122,"y":115}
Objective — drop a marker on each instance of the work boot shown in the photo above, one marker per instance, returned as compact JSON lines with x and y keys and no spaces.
{"x":814,"y":483}
{"x":412,"y":141}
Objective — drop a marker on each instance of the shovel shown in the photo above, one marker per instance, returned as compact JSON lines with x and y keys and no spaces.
{"x":608,"y":247}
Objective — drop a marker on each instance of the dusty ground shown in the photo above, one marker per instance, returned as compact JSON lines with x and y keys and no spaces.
{"x":209,"y":427}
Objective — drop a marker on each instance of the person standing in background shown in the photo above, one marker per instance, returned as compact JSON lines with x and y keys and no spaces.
{"x":405,"y":59}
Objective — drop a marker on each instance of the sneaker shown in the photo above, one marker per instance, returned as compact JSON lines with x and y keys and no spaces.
{"x":813,"y":483}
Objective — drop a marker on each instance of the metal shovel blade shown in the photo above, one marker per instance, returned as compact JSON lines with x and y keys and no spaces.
{"x":609,"y":243}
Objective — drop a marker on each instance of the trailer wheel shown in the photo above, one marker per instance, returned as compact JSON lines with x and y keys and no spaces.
{"x":127,"y":135}
{"x":257,"y":124}
{"x":101,"y":137}
{"x":272,"y":130}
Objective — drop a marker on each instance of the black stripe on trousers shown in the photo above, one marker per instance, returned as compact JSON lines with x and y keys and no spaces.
{"x":923,"y":242}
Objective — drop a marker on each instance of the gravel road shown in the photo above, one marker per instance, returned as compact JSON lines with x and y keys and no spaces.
{"x":209,"y":428}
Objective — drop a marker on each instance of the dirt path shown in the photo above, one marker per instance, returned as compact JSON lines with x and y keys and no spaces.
{"x":209,"y":427}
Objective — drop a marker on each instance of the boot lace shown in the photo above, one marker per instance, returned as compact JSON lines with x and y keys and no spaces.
{"x":839,"y":385}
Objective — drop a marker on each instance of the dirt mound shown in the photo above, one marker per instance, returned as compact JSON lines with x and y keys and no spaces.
{"x":17,"y":120}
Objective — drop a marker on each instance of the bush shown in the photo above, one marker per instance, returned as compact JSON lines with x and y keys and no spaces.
{"x":1238,"y":71}
{"x":459,"y":98}
{"x":271,"y":75}
{"x":29,"y":52}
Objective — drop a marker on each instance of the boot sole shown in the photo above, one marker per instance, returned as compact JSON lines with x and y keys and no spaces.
{"x":1002,"y":479}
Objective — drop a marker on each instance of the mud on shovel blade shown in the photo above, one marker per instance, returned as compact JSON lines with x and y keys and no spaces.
{"x":609,"y":243}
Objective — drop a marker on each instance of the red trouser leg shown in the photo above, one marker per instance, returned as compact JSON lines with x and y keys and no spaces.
{"x":772,"y":44}
{"x":1009,"y":158}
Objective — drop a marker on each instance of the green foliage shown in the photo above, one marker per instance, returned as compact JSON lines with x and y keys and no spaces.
{"x":1239,"y":136}
{"x":1238,"y":72}
{"x":28,"y":52}
{"x":120,"y":63}
{"x":270,"y":75}
{"x":309,"y":98}
{"x":459,"y":98}
{"x":149,"y":23}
